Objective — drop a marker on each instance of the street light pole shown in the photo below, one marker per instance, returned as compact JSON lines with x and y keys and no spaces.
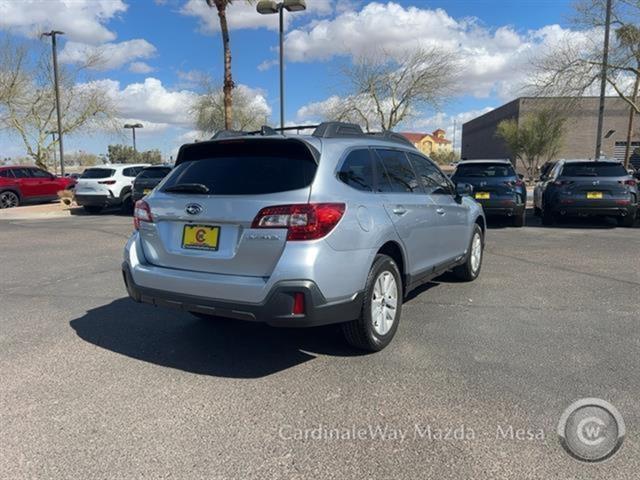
{"x":603,"y":79}
{"x":133,"y":127}
{"x":267,"y":7}
{"x":54,"y":49}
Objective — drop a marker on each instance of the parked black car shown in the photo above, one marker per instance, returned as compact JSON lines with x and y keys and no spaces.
{"x":587,"y":188}
{"x":147,"y":180}
{"x":496,"y":186}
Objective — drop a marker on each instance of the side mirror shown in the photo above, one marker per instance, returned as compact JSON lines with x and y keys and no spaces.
{"x":464,"y":189}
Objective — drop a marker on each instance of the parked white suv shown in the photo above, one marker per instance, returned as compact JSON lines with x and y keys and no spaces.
{"x":107,"y":185}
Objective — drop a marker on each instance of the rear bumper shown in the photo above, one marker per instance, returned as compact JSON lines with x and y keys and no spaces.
{"x":502,"y":208}
{"x":275,"y":310}
{"x":577,"y":211}
{"x":97,"y":200}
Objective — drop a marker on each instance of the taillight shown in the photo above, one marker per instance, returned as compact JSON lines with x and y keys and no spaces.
{"x":517,"y":183}
{"x":562,"y":183}
{"x":630,"y":183}
{"x":141,"y":213}
{"x":307,"y":221}
{"x":107,"y":182}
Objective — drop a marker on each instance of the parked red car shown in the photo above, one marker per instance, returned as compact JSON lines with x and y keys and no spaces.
{"x":27,"y":184}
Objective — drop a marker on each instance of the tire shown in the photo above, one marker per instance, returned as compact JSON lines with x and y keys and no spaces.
{"x":127,"y":206}
{"x":92,"y":209}
{"x":519,"y":220}
{"x":537,"y":212}
{"x":470,"y":269}
{"x":627,"y":221}
{"x":370,"y":332}
{"x":9,"y":199}
{"x":548,"y":218}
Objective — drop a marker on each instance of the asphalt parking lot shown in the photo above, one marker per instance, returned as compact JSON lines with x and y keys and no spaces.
{"x":93,"y":385}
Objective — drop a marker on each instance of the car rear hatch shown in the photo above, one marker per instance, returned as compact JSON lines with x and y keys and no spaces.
{"x":491,"y":181}
{"x":215,"y":192}
{"x":95,"y":181}
{"x":604,"y":184}
{"x":148,"y":179}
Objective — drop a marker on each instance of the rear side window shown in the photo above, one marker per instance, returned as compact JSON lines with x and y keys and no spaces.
{"x":6,"y":173}
{"x":98,"y":173}
{"x":37,"y":173}
{"x":397,"y":175}
{"x":245,"y":167}
{"x":357,"y":171}
{"x":154,"y":173}
{"x":21,"y":172}
{"x":486,"y":170}
{"x":593,"y":169}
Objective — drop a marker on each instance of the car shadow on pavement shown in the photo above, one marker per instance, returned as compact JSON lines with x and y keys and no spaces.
{"x":217,"y":347}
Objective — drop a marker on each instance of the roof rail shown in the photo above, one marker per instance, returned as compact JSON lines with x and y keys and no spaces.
{"x":390,"y":136}
{"x":337,"y":129}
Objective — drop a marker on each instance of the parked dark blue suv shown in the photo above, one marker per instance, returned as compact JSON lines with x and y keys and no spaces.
{"x":587,"y":188}
{"x":496,"y":186}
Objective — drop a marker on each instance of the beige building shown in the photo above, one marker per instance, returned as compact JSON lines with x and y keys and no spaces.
{"x":479,"y":140}
{"x":430,"y":143}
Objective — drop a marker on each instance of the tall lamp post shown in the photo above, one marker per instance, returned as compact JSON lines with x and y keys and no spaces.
{"x":55,"y":160}
{"x":268,"y":7}
{"x":133,"y":127}
{"x":56,"y":84}
{"x":603,"y":79}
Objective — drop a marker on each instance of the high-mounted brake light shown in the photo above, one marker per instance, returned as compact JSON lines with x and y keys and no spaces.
{"x":141,"y":213}
{"x":307,"y":221}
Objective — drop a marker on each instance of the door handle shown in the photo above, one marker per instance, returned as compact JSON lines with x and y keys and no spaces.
{"x":440,"y":211}
{"x":399,"y":210}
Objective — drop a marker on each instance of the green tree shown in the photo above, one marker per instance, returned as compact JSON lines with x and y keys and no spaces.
{"x":153,"y":157}
{"x":538,"y":137}
{"x":121,"y":154}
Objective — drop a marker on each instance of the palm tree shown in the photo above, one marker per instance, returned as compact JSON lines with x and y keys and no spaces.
{"x":228,"y":85}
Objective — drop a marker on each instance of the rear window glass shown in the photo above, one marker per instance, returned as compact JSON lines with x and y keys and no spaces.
{"x":489,"y":170}
{"x":154,"y":173}
{"x":6,"y":173}
{"x":98,"y":173}
{"x":593,"y":169}
{"x":239,"y":167}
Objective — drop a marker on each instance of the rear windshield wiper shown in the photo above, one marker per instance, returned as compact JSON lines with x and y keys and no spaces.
{"x":188,"y":188}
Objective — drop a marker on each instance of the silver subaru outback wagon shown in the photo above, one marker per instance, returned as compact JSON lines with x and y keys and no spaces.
{"x":300,"y":231}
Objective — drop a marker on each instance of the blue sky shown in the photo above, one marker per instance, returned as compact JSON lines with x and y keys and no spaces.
{"x":157,"y":47}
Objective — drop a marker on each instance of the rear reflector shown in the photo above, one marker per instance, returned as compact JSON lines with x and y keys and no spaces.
{"x":306,"y":221}
{"x":298,"y":303}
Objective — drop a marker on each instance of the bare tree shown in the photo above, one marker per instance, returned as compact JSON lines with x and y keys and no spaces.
{"x":248,"y":111}
{"x":536,"y":138}
{"x":27,"y":106}
{"x":574,"y":66}
{"x":384,"y":92}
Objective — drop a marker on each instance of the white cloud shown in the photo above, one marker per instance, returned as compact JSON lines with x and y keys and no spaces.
{"x":148,"y":128}
{"x":140,"y":67}
{"x":150,"y":101}
{"x":111,"y":55}
{"x":242,"y":14}
{"x":494,"y":61}
{"x":81,"y":20}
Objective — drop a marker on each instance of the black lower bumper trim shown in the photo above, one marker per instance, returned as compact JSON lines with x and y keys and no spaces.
{"x":97,"y":200}
{"x":596,"y":211}
{"x":275,"y":310}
